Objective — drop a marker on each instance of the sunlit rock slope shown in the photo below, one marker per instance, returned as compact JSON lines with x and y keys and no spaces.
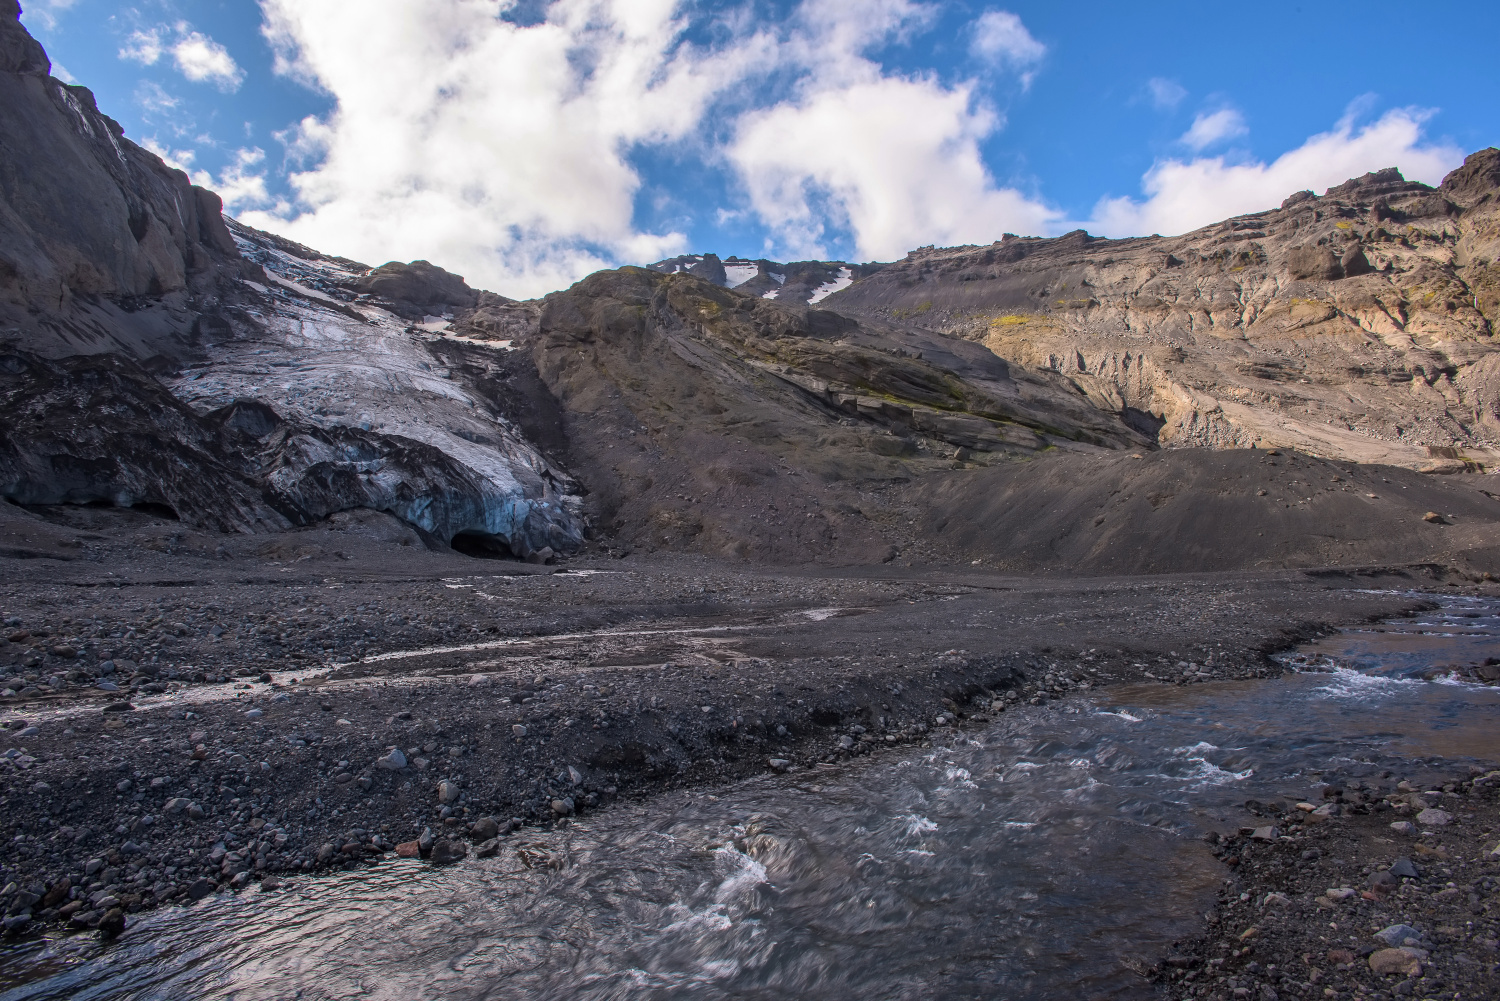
{"x":1358,"y":324}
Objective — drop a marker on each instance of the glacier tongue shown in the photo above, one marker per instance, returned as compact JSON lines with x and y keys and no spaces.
{"x":369,"y":418}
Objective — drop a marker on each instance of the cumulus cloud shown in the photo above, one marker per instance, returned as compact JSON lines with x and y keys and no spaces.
{"x":1214,"y":127}
{"x":182,"y":159}
{"x":895,"y":160}
{"x":999,"y":36}
{"x":1183,"y":195}
{"x":1165,"y":94}
{"x":242,"y":182}
{"x":197,"y":56}
{"x":506,"y":152}
{"x":501,"y":151}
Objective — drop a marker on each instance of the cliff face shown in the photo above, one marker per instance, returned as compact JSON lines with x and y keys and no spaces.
{"x":1355,"y":325}
{"x":89,"y":221}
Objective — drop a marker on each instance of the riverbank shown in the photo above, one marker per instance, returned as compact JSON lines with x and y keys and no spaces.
{"x":289,"y":720}
{"x":1380,"y":889}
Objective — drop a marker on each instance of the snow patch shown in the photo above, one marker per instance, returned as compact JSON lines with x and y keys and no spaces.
{"x":843,"y":281}
{"x":738,"y":274}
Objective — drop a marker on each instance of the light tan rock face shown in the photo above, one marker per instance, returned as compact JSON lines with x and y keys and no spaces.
{"x":1357,"y":325}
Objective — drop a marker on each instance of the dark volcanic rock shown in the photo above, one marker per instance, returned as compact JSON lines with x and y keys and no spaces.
{"x":419,"y":289}
{"x":89,"y":212}
{"x":97,"y":428}
{"x":135,"y":339}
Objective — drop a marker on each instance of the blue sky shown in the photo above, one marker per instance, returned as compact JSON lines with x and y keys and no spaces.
{"x":525,"y":144}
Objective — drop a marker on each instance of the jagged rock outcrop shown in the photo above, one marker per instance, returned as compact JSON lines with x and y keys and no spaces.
{"x":418,"y":289}
{"x":85,"y":214}
{"x":708,"y":419}
{"x":1359,"y":324}
{"x":797,"y":282}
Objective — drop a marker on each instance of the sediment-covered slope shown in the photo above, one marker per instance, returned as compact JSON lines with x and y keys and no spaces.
{"x":710,"y":421}
{"x":705,"y":418}
{"x":1357,"y":325}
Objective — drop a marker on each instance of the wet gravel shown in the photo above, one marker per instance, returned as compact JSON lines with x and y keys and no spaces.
{"x":1385,"y":888}
{"x":273,"y":714}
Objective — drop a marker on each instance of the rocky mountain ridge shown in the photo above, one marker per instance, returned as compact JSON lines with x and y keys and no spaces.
{"x":803,"y":282}
{"x":240,"y":382}
{"x":1354,"y":325}
{"x":147,"y":361}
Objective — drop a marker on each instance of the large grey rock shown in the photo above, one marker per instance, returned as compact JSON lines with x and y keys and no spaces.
{"x":419,"y":289}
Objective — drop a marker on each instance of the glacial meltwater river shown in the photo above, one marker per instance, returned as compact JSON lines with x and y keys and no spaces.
{"x":1040,"y":858}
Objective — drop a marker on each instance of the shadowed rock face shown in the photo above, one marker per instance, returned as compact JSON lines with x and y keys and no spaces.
{"x":419,"y":289}
{"x":1356,"y":325}
{"x":94,"y":215}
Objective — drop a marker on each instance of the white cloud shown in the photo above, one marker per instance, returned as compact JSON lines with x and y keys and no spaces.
{"x":200,"y":58}
{"x":1165,"y":94}
{"x":500,"y":151}
{"x":1183,"y":195}
{"x":1214,"y":127}
{"x":182,"y":159}
{"x":197,"y":56}
{"x":242,"y":184}
{"x":999,"y":35}
{"x":153,"y":98}
{"x":143,"y":47}
{"x":895,"y":159}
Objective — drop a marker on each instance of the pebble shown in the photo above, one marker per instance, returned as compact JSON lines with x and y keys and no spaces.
{"x":1397,"y":935}
{"x":394,"y":761}
{"x":1403,"y":868}
{"x":1433,"y":817}
{"x":1405,"y":827}
{"x":1388,"y":961}
{"x":449,"y":851}
{"x":447,"y":792}
{"x":518,"y":729}
{"x":254,"y":714}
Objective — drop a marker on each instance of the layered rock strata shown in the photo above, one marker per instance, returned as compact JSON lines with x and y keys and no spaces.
{"x":1358,"y":324}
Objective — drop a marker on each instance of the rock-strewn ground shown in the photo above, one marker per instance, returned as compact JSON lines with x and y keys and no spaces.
{"x":1396,"y":895}
{"x":270,"y":691}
